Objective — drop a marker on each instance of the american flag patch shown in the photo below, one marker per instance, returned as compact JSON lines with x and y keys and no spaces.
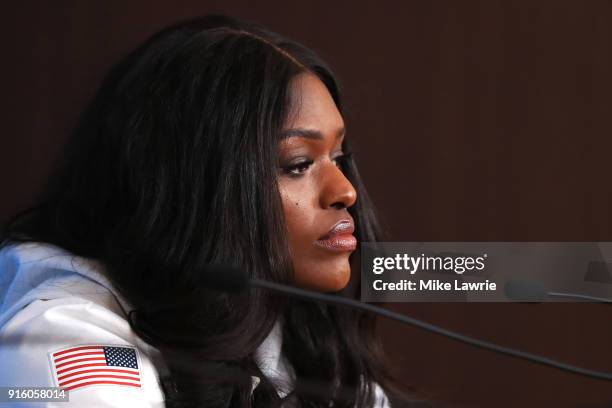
{"x":82,"y":366}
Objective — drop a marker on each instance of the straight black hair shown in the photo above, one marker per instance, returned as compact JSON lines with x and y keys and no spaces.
{"x":173,"y":167}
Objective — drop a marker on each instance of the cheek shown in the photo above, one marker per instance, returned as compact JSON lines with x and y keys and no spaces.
{"x":299,"y":215}
{"x":314,"y":269}
{"x":302,"y":228}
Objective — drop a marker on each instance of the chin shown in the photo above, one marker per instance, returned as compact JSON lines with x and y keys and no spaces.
{"x":323,"y":278}
{"x":341,"y":279}
{"x":336,"y":279}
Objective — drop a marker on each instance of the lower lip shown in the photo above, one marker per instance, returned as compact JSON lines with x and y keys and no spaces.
{"x":339,"y":243}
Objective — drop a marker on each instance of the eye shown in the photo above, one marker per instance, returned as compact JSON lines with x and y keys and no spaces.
{"x":341,"y":159}
{"x":297,"y":169}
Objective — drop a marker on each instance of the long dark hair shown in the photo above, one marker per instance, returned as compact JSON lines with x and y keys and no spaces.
{"x":173,"y":167}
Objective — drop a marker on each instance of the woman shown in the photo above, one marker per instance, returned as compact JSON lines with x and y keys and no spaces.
{"x":215,"y":142}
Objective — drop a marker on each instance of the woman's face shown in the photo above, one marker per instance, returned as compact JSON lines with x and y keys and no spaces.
{"x":315,"y":193}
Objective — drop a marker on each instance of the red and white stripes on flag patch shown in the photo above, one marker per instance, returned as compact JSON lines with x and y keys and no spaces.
{"x":82,"y":366}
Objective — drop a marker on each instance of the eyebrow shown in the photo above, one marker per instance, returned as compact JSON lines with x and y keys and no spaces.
{"x":310,"y":133}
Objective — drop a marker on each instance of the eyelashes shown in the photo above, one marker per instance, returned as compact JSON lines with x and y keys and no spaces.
{"x":300,"y":167}
{"x":342,"y":159}
{"x":297,"y":169}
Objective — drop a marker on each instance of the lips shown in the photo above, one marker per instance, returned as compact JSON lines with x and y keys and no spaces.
{"x":340,"y":237}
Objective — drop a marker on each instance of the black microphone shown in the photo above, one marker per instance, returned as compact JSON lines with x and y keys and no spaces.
{"x":236,"y":279}
{"x":526,"y":291}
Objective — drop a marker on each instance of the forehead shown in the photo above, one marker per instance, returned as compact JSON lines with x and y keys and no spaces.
{"x":312,"y":106}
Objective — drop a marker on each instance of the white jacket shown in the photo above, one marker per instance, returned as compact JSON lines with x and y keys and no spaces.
{"x":63,"y":324}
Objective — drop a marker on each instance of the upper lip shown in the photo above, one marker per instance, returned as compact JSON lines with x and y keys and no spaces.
{"x":344,"y":226}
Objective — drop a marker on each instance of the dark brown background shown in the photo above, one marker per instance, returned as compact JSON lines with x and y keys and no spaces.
{"x":472,"y":120}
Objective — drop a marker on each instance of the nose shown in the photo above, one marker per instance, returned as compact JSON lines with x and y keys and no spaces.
{"x":337,"y":191}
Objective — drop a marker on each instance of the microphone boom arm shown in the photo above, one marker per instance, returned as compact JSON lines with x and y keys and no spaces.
{"x":338,"y":300}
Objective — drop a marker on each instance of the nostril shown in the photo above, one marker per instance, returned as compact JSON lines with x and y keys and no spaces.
{"x":338,"y":206}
